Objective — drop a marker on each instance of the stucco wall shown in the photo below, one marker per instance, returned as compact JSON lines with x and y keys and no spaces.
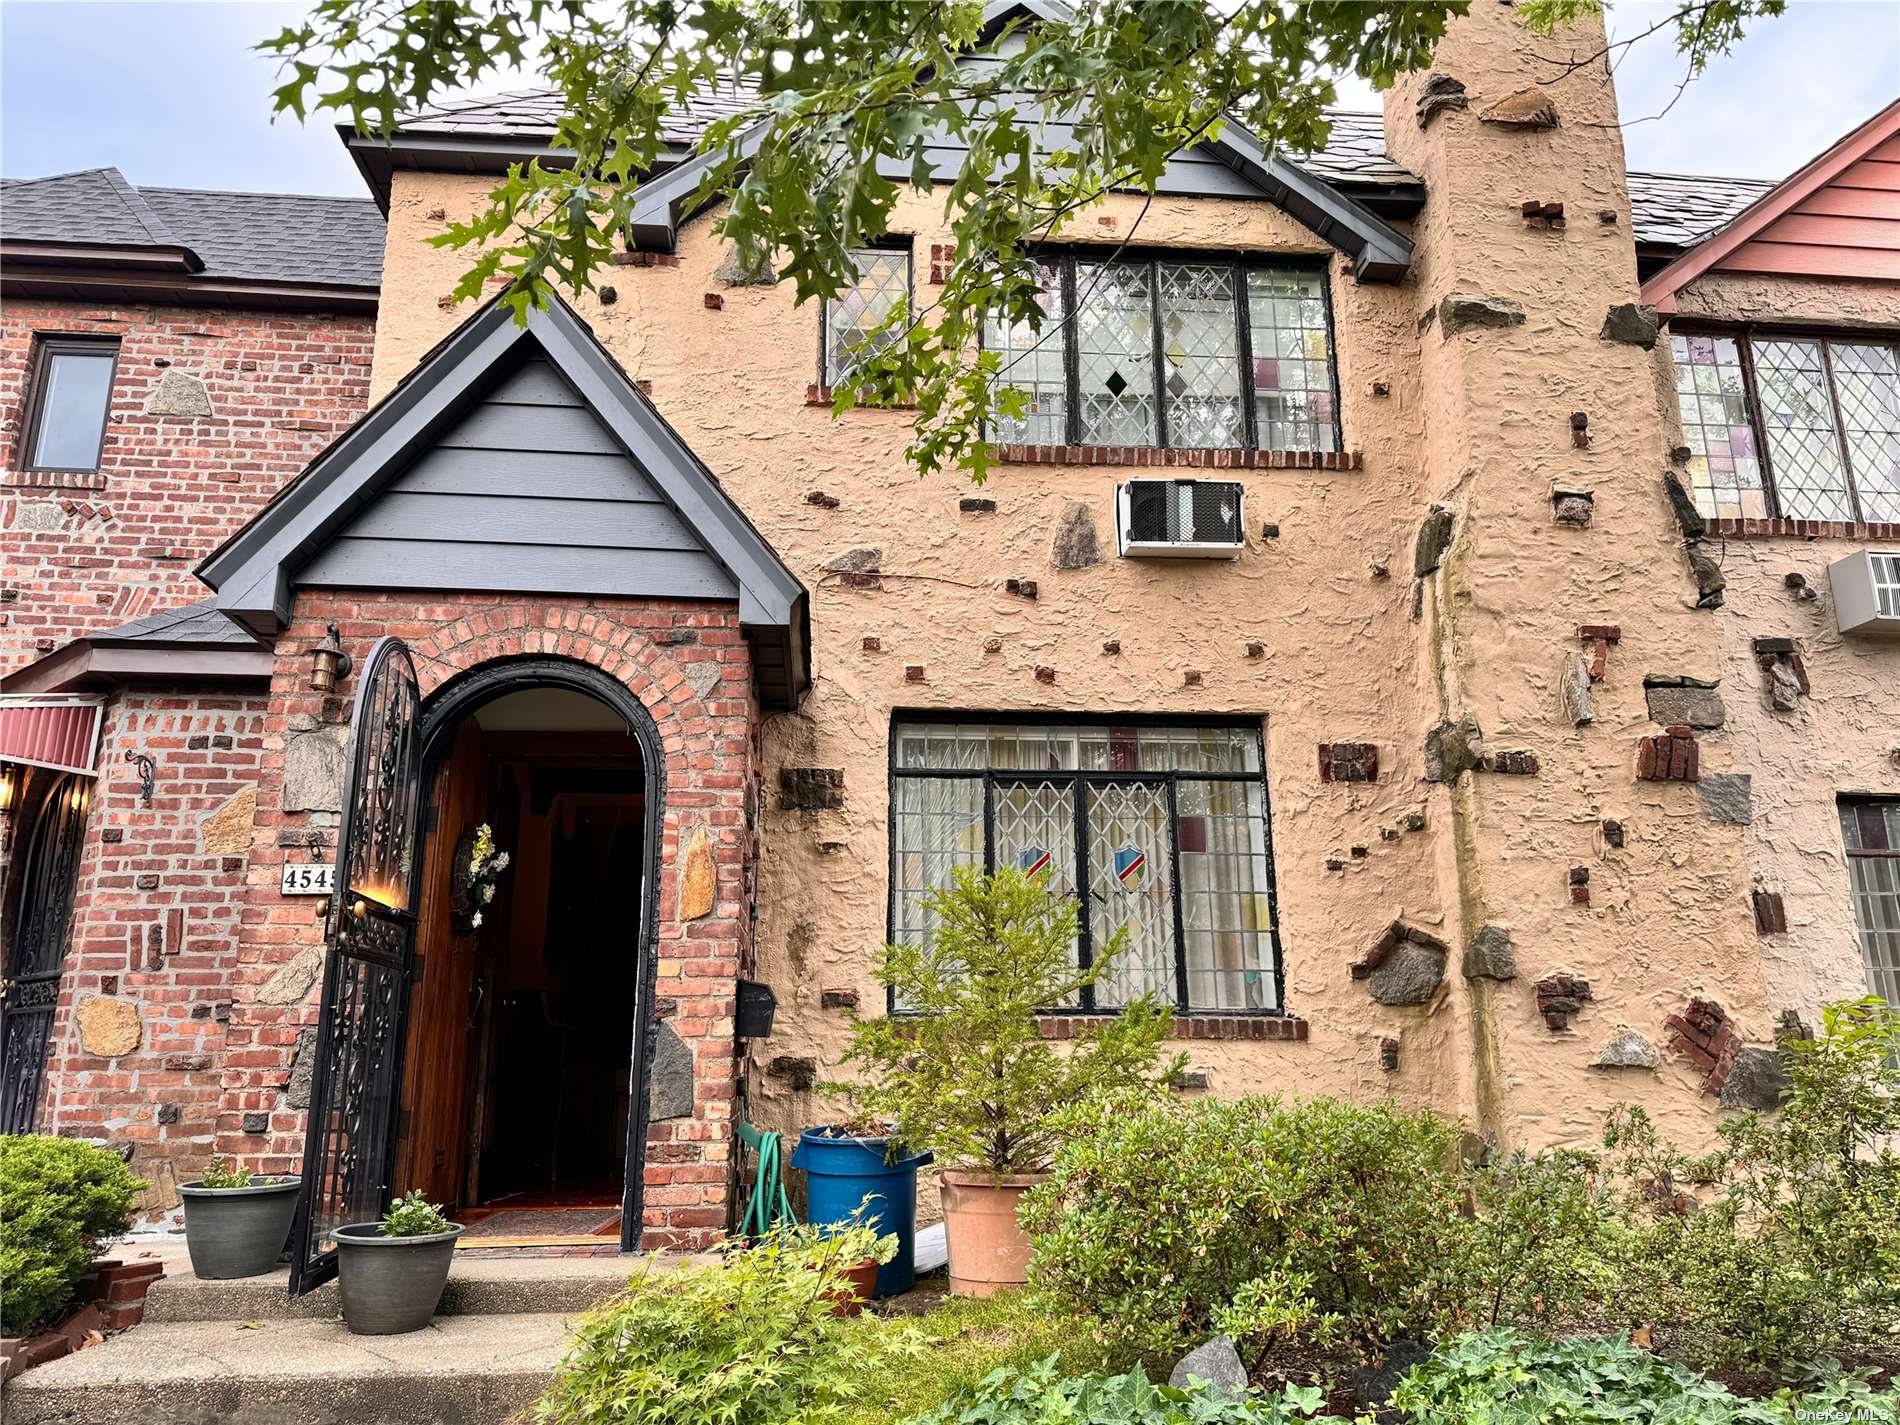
{"x":1844,"y":736}
{"x":1479,"y":421}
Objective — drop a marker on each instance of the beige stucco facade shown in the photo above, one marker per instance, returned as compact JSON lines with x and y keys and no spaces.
{"x":1353,"y":649}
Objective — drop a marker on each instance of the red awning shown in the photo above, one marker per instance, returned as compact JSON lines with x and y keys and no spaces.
{"x":62,"y":733}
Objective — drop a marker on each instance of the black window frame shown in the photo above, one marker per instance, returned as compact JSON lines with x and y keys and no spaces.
{"x":1066,"y":258}
{"x":891,"y":244}
{"x":1744,"y":335}
{"x":1851,"y":855}
{"x":991,"y":777}
{"x":46,"y":347}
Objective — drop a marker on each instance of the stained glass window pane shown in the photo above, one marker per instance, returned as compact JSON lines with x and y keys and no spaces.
{"x":1871,"y":831}
{"x":1226,"y":912}
{"x":936,"y":826}
{"x":1035,"y":833}
{"x":1035,"y":747}
{"x":1292,"y":359}
{"x":852,"y":317}
{"x":1200,"y":344}
{"x":1132,"y":890}
{"x":1034,"y":364}
{"x":1797,"y":418}
{"x":1868,"y":384}
{"x":1114,"y":342}
{"x":1724,"y":468}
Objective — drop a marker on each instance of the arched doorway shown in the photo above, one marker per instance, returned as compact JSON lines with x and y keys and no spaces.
{"x":38,"y":918}
{"x":523,"y":1093}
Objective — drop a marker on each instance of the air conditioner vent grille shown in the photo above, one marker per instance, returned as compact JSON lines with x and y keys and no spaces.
{"x":1182,"y":518}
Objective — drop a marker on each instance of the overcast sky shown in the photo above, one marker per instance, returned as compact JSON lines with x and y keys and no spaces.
{"x":169,"y":92}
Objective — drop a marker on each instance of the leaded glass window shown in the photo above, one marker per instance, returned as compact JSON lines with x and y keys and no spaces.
{"x":1871,"y":832}
{"x":1204,"y":353}
{"x":1160,"y":830}
{"x":853,"y":317}
{"x":1828,"y":413}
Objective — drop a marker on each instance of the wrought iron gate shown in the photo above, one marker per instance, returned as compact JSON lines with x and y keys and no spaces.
{"x":349,"y":1151}
{"x":42,"y":923}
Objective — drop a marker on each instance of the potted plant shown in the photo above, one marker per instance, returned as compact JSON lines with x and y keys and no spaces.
{"x":963,"y":1070}
{"x":391,"y":1273}
{"x":235,"y":1221}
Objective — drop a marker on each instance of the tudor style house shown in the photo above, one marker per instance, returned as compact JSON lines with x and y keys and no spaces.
{"x":1434,"y":603}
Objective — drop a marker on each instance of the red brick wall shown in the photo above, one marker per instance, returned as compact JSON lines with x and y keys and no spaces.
{"x":712,"y":768}
{"x":155,"y":927}
{"x":85,"y":553}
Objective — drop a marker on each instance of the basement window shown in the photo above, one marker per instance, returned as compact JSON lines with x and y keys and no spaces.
{"x":1159,"y":829}
{"x":1176,"y":351}
{"x":69,"y":394}
{"x":1790,"y":426}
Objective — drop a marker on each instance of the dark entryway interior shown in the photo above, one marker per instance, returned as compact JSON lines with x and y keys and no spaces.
{"x":518,"y":1080}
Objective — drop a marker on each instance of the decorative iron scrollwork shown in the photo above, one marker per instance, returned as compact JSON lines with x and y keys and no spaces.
{"x":147,"y":768}
{"x":40,"y":931}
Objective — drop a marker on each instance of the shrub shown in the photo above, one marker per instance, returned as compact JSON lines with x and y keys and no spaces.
{"x":1175,"y":1221}
{"x":1040,"y":1394}
{"x":413,"y":1215}
{"x":1783,"y":1244}
{"x":750,"y":1342}
{"x":968,"y":1075}
{"x":60,"y":1200}
{"x":1540,"y":1243}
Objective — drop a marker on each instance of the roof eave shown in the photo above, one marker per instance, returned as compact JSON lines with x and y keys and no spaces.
{"x":35,"y":252}
{"x":83,"y":282}
{"x":89,"y":665}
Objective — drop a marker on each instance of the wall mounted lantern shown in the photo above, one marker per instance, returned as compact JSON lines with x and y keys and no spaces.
{"x":329,"y":664}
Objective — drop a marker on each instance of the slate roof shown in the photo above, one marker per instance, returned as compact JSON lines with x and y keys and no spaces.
{"x":200,"y":623}
{"x":1681,"y":209}
{"x":249,"y":237}
{"x":534,"y":113}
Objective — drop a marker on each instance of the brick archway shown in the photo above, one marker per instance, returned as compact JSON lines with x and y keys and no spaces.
{"x":686,"y":667}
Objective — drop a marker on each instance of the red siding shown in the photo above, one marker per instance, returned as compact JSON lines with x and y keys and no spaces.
{"x":61,"y":735}
{"x":1848,"y":228}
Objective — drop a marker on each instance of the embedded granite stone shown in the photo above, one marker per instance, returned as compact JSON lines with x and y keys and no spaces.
{"x":1452,"y":748}
{"x":227,"y":831}
{"x":1468,"y":311}
{"x":1075,"y":545}
{"x":1627,"y":1050}
{"x":1527,"y":109}
{"x":1757,"y":1079}
{"x":1434,"y":538}
{"x":1728,"y":797}
{"x":294,"y":979}
{"x":1687,"y":515}
{"x":1438,"y":93}
{"x":314,"y":757}
{"x":1409,"y":975}
{"x":699,"y":876}
{"x":1631,"y":323}
{"x":1578,"y":701}
{"x":670,"y":1088}
{"x":179,"y":393}
{"x":1684,"y":700}
{"x":1490,"y":955}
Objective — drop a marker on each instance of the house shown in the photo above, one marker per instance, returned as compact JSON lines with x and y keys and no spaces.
{"x":169,"y":359}
{"x":1343,"y":644}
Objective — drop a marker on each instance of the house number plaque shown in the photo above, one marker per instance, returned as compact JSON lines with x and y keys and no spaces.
{"x":309,"y":878}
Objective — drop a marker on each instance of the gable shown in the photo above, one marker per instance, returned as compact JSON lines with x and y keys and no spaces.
{"x":518,"y":458}
{"x":530,"y":488}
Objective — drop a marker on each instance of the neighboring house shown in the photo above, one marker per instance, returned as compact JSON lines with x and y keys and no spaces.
{"x":169,"y":359}
{"x":1404,"y":735}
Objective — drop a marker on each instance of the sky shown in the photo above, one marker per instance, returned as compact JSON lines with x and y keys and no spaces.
{"x":169,"y":92}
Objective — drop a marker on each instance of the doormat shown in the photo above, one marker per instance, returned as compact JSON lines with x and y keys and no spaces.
{"x":547,"y":1222}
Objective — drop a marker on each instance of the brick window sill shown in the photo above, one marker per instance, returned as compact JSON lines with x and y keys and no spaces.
{"x":1199,"y":458}
{"x":1191,"y":1026}
{"x":53,"y":480}
{"x":1872,"y":532}
{"x":822,"y":396}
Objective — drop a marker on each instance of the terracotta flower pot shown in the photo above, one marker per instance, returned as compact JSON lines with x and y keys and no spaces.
{"x":988,"y":1248}
{"x":860,"y":1287}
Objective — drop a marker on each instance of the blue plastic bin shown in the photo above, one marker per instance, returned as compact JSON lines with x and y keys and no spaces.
{"x":840,"y":1173}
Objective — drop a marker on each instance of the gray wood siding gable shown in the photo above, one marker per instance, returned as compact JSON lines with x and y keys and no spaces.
{"x":527,"y":493}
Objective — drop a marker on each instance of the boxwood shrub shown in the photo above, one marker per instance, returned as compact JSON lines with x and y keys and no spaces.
{"x":60,"y":1201}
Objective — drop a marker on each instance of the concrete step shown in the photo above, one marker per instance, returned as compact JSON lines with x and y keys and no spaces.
{"x":462,"y":1370}
{"x":478,"y":1286}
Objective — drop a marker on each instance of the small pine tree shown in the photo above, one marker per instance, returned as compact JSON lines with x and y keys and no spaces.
{"x":965,"y":1071}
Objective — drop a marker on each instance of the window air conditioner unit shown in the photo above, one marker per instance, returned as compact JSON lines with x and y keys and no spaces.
{"x":1867,"y":592}
{"x":1180,"y":519}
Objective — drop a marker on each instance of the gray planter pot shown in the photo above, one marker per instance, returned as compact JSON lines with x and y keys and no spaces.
{"x":391,"y":1284}
{"x":237,"y":1232}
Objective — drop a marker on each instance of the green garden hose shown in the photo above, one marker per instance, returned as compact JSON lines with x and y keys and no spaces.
{"x":768,"y":1206}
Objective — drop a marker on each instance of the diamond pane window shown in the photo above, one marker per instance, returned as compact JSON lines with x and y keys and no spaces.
{"x":1724,"y":472}
{"x":1797,"y":416}
{"x":1160,"y":831}
{"x":853,"y":316}
{"x":1871,"y":832}
{"x":1867,"y":379}
{"x":1200,"y":349}
{"x":1292,"y":360}
{"x":1114,"y":343}
{"x":1035,"y":365}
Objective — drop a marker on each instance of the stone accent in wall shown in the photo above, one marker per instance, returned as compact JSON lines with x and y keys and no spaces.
{"x":699,"y":877}
{"x":859,"y":568}
{"x":1489,"y":955}
{"x":800,"y":1073}
{"x":1627,"y":1050}
{"x":108,"y":1027}
{"x":1434,"y":538}
{"x":1389,"y":1054}
{"x":1600,"y":638}
{"x":1573,"y":505}
{"x":1574,"y":690}
{"x":810,"y":788}
{"x":1405,"y":965}
{"x":1757,"y":1079}
{"x":1785,"y":676}
{"x":1469,"y":311}
{"x":227,"y":831}
{"x":315,"y":754}
{"x":1771,"y":913}
{"x":1728,"y":797}
{"x":838,"y":999}
{"x":294,"y":979}
{"x":178,"y":393}
{"x":670,"y":1088}
{"x":1075,"y":545}
{"x":1348,"y":762}
{"x":1452,"y":748}
{"x":1440,"y":93}
{"x":1683,"y":700}
{"x":1526,"y":109}
{"x":1632,"y":324}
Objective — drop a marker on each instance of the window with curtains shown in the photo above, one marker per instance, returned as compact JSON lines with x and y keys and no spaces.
{"x":1160,"y":830}
{"x":1791,"y":427}
{"x":853,"y":317}
{"x":1184,"y":352}
{"x":1871,"y":831}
